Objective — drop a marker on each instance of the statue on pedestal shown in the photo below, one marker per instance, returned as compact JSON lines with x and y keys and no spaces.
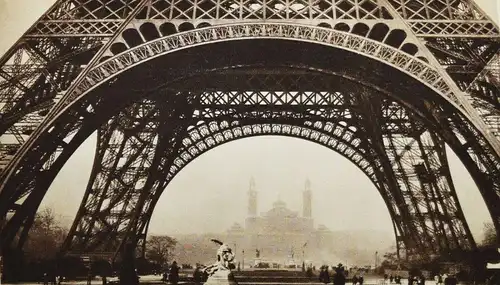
{"x":220,"y":273}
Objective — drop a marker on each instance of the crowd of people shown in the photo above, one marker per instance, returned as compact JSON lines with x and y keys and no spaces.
{"x":339,"y":276}
{"x":419,"y":279}
{"x":171,"y":274}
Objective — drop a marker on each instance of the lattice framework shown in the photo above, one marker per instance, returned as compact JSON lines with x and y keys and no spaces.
{"x":59,"y":57}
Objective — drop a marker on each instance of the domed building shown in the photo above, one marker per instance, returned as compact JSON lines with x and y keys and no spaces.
{"x":280,"y":234}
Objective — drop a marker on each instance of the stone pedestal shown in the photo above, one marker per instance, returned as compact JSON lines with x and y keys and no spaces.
{"x":221,"y":277}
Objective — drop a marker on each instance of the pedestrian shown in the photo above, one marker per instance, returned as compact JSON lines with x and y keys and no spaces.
{"x":173,"y":276}
{"x":197,"y":275}
{"x":45,"y":279}
{"x":324,"y":276}
{"x":339,"y":277}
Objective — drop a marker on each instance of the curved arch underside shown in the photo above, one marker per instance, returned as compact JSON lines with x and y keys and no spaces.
{"x":397,"y":135}
{"x":335,"y":113}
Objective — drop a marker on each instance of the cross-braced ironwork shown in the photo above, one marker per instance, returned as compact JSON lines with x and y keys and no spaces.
{"x":386,"y":83}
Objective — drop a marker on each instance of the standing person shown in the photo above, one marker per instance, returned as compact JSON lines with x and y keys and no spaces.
{"x":173,"y":277}
{"x":453,"y":280}
{"x":45,"y":279}
{"x":447,"y":280}
{"x":197,"y":275}
{"x":165,"y":274}
{"x":339,"y":277}
{"x":324,"y":276}
{"x":391,"y":278}
{"x":422,"y":280}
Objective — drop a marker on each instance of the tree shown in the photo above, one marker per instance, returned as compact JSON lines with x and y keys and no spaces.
{"x":390,"y":260}
{"x":490,"y":235}
{"x":159,"y":248}
{"x":45,"y":237}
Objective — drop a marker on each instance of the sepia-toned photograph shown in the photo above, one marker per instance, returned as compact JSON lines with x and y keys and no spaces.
{"x":250,"y":142}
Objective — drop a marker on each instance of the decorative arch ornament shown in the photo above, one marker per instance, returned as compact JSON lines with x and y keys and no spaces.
{"x":230,"y":100}
{"x":402,"y":61}
{"x":205,"y":135}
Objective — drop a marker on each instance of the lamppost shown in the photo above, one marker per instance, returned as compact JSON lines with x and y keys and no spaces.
{"x":243,"y":259}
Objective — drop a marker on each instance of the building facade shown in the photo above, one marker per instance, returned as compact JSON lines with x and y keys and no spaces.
{"x":280,"y":234}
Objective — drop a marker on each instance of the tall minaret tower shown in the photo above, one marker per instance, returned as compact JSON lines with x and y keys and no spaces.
{"x":307,"y":200}
{"x":252,"y":199}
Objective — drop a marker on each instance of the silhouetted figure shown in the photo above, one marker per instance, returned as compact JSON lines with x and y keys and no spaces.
{"x":391,"y":278}
{"x":355,"y":280}
{"x":165,"y":274}
{"x":339,"y":278}
{"x":197,"y":275}
{"x":173,"y":277}
{"x":324,"y":276}
{"x":45,"y":279}
{"x":309,"y":272}
{"x":422,"y":280}
{"x":361,"y":279}
{"x":450,"y":280}
{"x":89,"y":278}
{"x":128,"y":274}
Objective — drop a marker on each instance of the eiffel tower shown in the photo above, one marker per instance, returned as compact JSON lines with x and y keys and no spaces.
{"x":386,"y":83}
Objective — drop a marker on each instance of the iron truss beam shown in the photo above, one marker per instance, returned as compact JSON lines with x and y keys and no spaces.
{"x":342,"y":120}
{"x":38,"y":70}
{"x":448,"y":44}
{"x":128,"y":166}
{"x":309,"y":108}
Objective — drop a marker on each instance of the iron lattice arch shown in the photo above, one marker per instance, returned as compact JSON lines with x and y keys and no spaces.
{"x":88,"y":65}
{"x":337,"y":114}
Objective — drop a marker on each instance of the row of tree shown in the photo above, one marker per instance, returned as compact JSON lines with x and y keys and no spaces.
{"x":42,"y":248}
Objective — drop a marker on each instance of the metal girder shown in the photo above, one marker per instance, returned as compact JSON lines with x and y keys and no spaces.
{"x":449,"y":45}
{"x":230,"y":115}
{"x":125,"y":151}
{"x":37,"y":71}
{"x":265,"y":107}
{"x":20,"y":206}
{"x":132,"y":153}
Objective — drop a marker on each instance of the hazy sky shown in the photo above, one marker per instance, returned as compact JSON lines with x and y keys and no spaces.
{"x":343,"y":198}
